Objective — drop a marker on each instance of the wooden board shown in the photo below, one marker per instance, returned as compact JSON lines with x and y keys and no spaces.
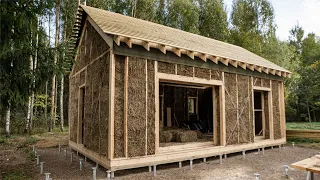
{"x":187,"y":154}
{"x":310,"y":164}
{"x":310,"y":134}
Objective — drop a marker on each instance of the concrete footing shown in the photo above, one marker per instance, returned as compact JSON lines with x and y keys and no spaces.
{"x":154,"y":170}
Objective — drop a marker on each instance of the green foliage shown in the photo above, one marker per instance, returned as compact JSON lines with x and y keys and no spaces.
{"x":3,"y":140}
{"x":15,"y":175}
{"x":213,"y":19}
{"x":302,"y":140}
{"x":306,"y":126}
{"x":183,"y":14}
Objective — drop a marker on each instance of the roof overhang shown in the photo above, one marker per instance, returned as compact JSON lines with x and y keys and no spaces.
{"x":147,"y":44}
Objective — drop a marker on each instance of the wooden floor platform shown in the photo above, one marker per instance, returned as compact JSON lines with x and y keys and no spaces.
{"x":175,"y":154}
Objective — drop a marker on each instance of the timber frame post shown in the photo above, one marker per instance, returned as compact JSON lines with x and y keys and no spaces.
{"x":111,"y":107}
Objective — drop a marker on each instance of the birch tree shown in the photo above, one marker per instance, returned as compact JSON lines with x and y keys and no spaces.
{"x":53,"y":85}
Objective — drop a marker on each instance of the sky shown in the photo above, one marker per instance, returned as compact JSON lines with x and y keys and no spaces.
{"x":288,"y":13}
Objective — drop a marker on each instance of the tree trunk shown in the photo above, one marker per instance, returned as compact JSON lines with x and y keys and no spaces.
{"x":34,"y":78}
{"x":8,"y":122}
{"x":53,"y":89}
{"x":30,"y":104}
{"x":309,"y":114}
{"x":61,"y":103}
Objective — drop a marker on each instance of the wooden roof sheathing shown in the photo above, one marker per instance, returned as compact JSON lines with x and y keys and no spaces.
{"x":133,"y":28}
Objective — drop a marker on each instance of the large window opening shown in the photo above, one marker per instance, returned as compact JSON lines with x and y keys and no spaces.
{"x":186,"y":114}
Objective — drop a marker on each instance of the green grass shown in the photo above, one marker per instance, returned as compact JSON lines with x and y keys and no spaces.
{"x":15,"y":175}
{"x":304,"y":125}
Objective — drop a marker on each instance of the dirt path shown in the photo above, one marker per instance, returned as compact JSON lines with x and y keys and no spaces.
{"x":270,"y":165}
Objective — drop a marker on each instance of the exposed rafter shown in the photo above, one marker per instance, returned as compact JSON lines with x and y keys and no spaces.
{"x":146,"y":45}
{"x":213,"y":59}
{"x":224,"y":61}
{"x":233,"y":63}
{"x":190,"y":54}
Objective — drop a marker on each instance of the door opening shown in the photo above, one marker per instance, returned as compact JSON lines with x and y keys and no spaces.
{"x":81,"y":115}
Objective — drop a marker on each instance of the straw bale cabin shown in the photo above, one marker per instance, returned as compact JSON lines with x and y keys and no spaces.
{"x":144,"y":94}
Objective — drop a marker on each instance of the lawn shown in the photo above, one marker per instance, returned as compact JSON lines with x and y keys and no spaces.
{"x":303,"y":125}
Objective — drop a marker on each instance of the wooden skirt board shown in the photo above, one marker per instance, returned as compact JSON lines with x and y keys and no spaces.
{"x":177,"y":155}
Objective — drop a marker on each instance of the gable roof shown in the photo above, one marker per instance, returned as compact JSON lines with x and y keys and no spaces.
{"x":148,"y":34}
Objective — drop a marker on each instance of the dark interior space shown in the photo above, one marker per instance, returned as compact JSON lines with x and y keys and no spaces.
{"x":186,"y":113}
{"x":258,"y":113}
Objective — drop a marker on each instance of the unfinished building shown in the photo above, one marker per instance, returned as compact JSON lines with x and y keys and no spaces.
{"x":143,"y":94}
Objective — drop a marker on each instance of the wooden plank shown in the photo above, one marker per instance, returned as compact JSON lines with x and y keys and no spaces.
{"x":250,"y":105}
{"x":237,"y":103}
{"x":192,"y":80}
{"x":258,"y":88}
{"x":125,"y":108}
{"x":310,"y":164}
{"x":282,"y":110}
{"x":252,"y":109}
{"x":270,"y":107}
{"x":156,"y":96}
{"x":184,"y":155}
{"x":111,"y":107}
{"x":263,"y":116}
{"x":102,"y":160}
{"x":223,"y":133}
{"x":215,"y":120}
{"x":146,"y":82}
{"x":309,"y":134}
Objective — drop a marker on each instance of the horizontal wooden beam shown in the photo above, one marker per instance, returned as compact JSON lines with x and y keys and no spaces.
{"x":197,"y":152}
{"x":163,"y":77}
{"x":261,"y":88}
